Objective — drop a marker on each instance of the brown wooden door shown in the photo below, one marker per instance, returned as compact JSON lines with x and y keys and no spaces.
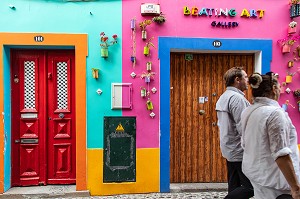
{"x":196,"y":86}
{"x":43,"y":144}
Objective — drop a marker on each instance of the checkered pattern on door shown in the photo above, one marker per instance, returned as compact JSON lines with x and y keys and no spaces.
{"x":62,"y":85}
{"x":29,"y":84}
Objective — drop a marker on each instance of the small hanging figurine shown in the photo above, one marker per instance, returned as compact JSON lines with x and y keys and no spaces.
{"x":143,"y":92}
{"x":285,"y":105}
{"x":149,"y":65}
{"x":149,"y":105}
{"x":133,"y":55}
{"x":147,"y":46}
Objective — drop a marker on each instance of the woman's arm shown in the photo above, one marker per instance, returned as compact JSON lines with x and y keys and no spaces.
{"x":286,"y":166}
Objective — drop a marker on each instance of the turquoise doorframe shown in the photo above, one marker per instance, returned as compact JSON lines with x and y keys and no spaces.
{"x":7,"y":116}
{"x":166,"y":45}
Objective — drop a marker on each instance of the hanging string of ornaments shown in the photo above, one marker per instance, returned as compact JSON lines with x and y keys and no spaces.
{"x":133,"y":34}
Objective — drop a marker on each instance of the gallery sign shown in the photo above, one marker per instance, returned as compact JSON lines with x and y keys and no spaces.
{"x":218,"y":12}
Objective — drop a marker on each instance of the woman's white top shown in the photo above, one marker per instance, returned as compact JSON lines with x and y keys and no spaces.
{"x":267,"y":133}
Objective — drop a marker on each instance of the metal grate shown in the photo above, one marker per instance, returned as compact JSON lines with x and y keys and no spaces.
{"x":62,"y":85}
{"x":29,"y":84}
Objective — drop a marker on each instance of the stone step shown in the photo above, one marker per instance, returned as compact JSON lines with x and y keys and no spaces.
{"x":49,"y":191}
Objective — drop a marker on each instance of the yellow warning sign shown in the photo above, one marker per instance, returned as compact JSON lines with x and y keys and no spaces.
{"x":120,"y":128}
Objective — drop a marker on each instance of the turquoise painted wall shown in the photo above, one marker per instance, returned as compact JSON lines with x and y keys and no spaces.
{"x":7,"y":127}
{"x":93,"y":17}
{"x":59,"y":16}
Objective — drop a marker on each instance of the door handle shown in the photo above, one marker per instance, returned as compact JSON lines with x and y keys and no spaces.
{"x":201,"y":112}
{"x":49,"y":75}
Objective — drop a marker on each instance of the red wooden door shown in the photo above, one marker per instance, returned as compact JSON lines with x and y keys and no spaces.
{"x":61,"y":128}
{"x":43,"y":144}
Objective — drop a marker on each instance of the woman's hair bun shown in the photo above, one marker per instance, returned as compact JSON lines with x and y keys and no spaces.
{"x":254,"y":80}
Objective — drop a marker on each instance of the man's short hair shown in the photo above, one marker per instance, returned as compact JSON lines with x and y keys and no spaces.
{"x":231,"y":74}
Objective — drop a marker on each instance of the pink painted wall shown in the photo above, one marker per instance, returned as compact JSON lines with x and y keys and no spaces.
{"x":273,"y":25}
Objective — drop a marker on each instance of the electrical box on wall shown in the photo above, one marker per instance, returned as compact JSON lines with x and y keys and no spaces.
{"x":119,"y":149}
{"x":150,"y":9}
{"x":121,"y":95}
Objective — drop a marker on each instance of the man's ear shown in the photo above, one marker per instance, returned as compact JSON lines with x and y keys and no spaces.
{"x":237,"y":79}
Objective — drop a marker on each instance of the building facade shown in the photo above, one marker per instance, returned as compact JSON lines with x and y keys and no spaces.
{"x":118,"y":96}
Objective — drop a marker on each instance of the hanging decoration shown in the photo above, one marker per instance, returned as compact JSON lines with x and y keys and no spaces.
{"x":147,"y":47}
{"x":287,"y":42}
{"x":147,"y":76}
{"x":133,"y":75}
{"x":145,"y":91}
{"x":295,"y":8}
{"x":143,"y":26}
{"x":133,"y":34}
{"x":152,"y":115}
{"x":153,"y":90}
{"x":159,"y":19}
{"x":99,"y":91}
{"x":105,"y":44}
{"x":296,"y":53}
{"x":289,"y":77}
{"x":292,"y":27}
{"x":290,"y":63}
{"x":297,"y":95}
{"x":95,"y":73}
{"x":149,"y":105}
{"x":149,"y":65}
{"x":286,"y":104}
{"x":282,"y":88}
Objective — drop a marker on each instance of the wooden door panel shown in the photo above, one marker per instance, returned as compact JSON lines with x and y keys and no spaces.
{"x":61,"y":128}
{"x":194,"y":143}
{"x":29,"y":164}
{"x":62,"y":154}
{"x":29,"y":128}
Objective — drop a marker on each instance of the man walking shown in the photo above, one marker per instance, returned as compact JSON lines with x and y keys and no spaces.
{"x":229,"y":108}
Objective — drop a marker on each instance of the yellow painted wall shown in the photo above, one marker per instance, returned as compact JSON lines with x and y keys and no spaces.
{"x":147,"y":174}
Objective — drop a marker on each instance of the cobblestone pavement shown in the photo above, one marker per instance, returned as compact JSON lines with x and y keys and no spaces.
{"x":184,"y":195}
{"x":199,"y":195}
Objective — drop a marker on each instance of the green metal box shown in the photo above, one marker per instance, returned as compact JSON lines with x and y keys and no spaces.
{"x":119,"y":149}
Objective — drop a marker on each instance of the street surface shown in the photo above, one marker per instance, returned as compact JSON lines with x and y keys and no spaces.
{"x":198,"y":195}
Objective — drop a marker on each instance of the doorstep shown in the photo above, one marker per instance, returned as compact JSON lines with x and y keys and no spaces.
{"x":60,"y":191}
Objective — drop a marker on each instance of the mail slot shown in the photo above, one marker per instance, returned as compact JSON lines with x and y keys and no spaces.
{"x":29,"y":141}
